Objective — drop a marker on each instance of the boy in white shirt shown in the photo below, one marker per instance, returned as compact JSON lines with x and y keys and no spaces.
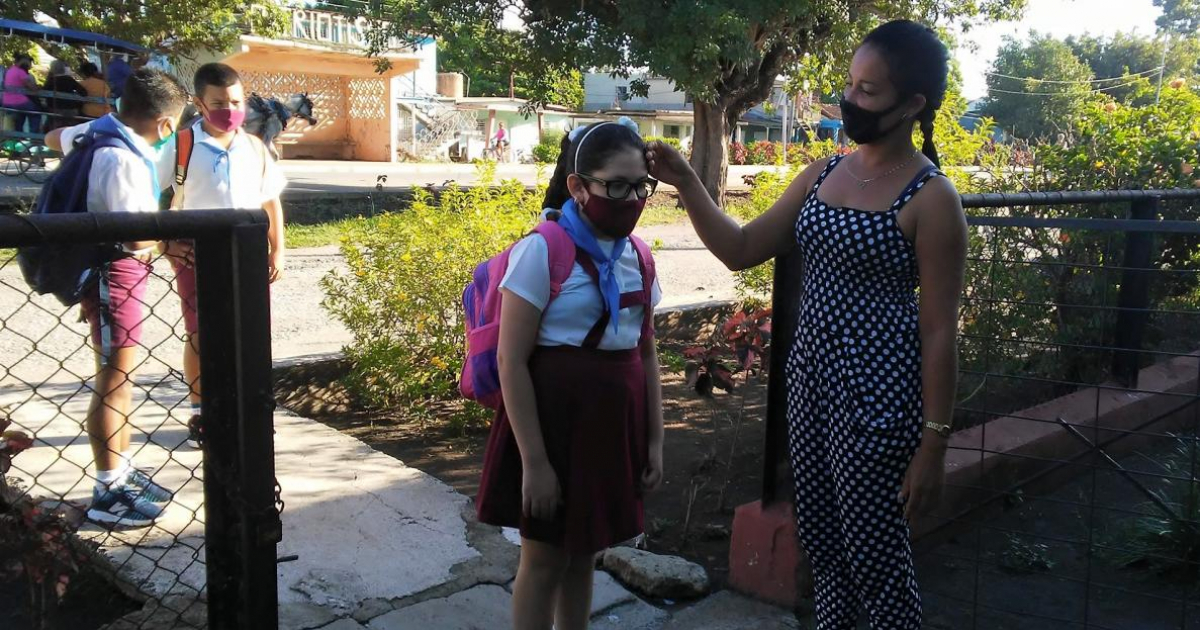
{"x":217,"y":165}
{"x":123,"y":179}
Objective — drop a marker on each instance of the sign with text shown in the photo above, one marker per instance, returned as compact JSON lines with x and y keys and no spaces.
{"x":334,"y":28}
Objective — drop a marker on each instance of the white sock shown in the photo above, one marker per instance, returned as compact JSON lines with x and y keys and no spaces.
{"x":127,"y":462}
{"x":106,"y":479}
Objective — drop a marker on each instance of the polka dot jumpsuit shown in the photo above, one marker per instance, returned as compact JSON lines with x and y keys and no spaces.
{"x":854,"y":409}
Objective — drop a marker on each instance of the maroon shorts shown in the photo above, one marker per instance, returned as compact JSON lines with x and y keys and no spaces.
{"x":185,"y":285}
{"x":116,"y":306}
{"x":592,"y":410}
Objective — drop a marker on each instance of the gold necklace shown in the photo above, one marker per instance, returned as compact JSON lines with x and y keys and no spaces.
{"x":862,"y":183}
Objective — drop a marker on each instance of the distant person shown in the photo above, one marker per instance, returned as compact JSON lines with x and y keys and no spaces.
{"x":122,"y":180}
{"x":17,"y":80}
{"x":64,"y":112}
{"x":218,"y":165}
{"x":117,"y":72}
{"x":95,"y":85}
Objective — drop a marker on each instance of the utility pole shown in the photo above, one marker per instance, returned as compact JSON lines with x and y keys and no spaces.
{"x":1162,"y":68}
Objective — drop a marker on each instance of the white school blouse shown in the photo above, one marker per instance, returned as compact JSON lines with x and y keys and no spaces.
{"x":578,"y":306}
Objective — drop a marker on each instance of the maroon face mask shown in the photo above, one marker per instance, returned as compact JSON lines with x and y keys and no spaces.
{"x":615,"y":218}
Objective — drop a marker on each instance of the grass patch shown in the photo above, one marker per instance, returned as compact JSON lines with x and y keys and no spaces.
{"x":662,"y":214}
{"x":323,"y":234}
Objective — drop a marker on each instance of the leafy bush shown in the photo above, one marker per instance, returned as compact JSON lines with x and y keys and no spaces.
{"x":763,"y":153}
{"x":401,"y":297}
{"x":674,"y":143}
{"x":546,"y":151}
{"x":754,"y":285}
{"x":737,"y":153}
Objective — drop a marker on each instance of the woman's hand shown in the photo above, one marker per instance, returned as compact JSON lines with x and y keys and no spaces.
{"x":540,"y":493}
{"x":652,"y":476}
{"x":667,"y":165}
{"x":924,"y":480}
{"x":275,"y":265}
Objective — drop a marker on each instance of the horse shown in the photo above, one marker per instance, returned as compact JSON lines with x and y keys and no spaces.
{"x":269,"y":117}
{"x":266,"y":118}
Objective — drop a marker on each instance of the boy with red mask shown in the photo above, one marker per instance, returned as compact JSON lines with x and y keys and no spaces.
{"x":217,"y":166}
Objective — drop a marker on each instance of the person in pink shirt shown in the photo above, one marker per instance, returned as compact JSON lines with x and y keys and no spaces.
{"x":17,"y":78}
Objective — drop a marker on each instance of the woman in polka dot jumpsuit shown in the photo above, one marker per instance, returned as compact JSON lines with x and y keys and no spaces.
{"x":871,"y":375}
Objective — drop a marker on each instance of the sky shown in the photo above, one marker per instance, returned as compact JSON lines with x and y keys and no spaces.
{"x":1060,"y":18}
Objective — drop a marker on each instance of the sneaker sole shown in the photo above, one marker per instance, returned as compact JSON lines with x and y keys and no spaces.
{"x":193,"y":443}
{"x":100,"y":516}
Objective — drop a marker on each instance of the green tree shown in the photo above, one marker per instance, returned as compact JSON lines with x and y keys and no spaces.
{"x":172,"y":28}
{"x":497,"y":64}
{"x":726,"y":53}
{"x":1037,"y":87}
{"x":1131,"y":61}
{"x":1179,"y":16}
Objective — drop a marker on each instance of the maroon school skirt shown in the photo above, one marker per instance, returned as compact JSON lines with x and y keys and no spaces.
{"x":592,"y":409}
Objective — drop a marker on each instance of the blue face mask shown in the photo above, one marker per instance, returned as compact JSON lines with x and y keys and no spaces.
{"x":158,"y":146}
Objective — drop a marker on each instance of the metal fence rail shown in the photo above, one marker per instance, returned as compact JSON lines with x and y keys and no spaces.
{"x":209,"y":560}
{"x":1072,"y":498}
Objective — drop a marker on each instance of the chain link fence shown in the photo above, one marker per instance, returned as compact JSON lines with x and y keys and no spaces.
{"x":190,"y":529}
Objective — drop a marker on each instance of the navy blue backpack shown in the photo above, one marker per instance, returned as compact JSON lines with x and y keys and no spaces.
{"x":69,"y":270}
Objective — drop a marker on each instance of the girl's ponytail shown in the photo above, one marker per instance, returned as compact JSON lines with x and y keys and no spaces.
{"x":928,"y":147}
{"x":556,"y":192}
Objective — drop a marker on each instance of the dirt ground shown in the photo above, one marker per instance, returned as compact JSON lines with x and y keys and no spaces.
{"x":690,"y":515}
{"x":91,"y":602}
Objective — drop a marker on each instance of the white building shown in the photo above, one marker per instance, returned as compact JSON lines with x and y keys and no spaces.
{"x":667,"y":111}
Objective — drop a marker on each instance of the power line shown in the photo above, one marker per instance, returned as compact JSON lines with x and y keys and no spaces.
{"x":1095,"y":91}
{"x":1077,"y":81}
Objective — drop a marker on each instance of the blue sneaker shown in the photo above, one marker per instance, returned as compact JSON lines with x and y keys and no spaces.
{"x":140,"y":479}
{"x":123,"y":506}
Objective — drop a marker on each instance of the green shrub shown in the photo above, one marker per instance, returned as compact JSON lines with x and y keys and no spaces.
{"x":754,"y":285}
{"x":671,"y":142}
{"x":401,"y":295}
{"x":546,"y":151}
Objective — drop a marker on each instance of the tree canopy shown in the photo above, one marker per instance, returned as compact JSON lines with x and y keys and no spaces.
{"x":492,"y":57}
{"x":726,"y":53}
{"x":173,"y":28}
{"x":1037,"y":87}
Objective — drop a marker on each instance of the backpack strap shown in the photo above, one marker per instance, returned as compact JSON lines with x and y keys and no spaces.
{"x":185,"y":142}
{"x":649,"y":276}
{"x":560,"y":253}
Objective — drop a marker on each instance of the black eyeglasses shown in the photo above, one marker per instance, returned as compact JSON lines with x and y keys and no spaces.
{"x":620,"y":189}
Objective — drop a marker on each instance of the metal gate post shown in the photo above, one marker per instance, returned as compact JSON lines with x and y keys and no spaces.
{"x":242,"y":522}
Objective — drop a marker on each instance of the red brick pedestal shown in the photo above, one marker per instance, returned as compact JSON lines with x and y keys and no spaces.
{"x":764,"y":554}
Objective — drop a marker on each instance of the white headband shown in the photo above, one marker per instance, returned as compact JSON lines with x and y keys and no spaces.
{"x":624,"y":121}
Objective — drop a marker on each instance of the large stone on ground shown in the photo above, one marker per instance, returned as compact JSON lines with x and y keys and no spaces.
{"x":666,"y":577}
{"x":729,"y":611}
{"x":481,"y":608}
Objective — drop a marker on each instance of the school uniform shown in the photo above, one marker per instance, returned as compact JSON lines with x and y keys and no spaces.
{"x":119,"y":181}
{"x":591,"y":403}
{"x":242,"y":177}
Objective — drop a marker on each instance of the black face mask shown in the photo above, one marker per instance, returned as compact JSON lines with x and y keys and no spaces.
{"x":862,"y":125}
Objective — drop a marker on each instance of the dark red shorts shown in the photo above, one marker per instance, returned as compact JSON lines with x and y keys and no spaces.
{"x":185,"y":285}
{"x":116,"y":305}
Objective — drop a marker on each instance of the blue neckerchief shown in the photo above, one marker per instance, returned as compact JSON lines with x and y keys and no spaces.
{"x":610,"y":289}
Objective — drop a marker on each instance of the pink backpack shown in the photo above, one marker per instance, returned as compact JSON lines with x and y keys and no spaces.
{"x":481,"y":307}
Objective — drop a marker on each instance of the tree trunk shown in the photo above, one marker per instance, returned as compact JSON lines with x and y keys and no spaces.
{"x":710,"y":147}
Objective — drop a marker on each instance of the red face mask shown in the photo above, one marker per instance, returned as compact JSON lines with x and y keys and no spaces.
{"x":225,"y":120}
{"x":615,"y":218}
